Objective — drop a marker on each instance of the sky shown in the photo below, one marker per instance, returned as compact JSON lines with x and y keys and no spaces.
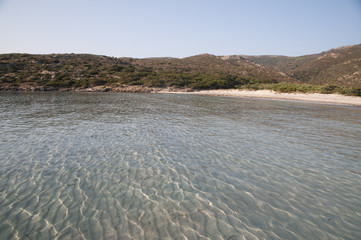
{"x":178,"y":28}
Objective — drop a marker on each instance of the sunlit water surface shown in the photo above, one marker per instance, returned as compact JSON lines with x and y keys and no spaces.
{"x":152,"y":166}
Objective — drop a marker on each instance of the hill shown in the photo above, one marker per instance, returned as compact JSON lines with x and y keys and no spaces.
{"x":83,"y":70}
{"x":336,"y":70}
{"x":340,"y":66}
{"x":207,"y":71}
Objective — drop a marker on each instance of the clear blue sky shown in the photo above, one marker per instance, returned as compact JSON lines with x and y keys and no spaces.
{"x":178,"y":28}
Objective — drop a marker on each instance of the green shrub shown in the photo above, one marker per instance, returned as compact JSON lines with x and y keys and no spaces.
{"x":356,"y":91}
{"x":328,"y":89}
{"x":97,"y":82}
{"x":116,"y":68}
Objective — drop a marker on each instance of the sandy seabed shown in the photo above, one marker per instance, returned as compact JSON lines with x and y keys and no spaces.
{"x":141,"y":166}
{"x":269,"y":94}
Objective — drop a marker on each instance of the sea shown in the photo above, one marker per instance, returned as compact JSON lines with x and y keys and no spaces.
{"x":172,"y":166}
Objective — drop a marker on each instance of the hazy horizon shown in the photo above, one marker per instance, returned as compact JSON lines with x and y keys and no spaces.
{"x":172,"y":56}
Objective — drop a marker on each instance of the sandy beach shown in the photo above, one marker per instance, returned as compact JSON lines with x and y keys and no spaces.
{"x":269,"y":94}
{"x":266,"y":94}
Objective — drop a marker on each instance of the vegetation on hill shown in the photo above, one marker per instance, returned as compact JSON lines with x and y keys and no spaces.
{"x":340,"y":66}
{"x":82,"y":70}
{"x":337,"y":70}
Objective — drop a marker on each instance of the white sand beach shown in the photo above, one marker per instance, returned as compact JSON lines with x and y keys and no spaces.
{"x":269,"y":94}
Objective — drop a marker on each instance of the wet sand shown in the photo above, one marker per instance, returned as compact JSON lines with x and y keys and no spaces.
{"x":269,"y":94}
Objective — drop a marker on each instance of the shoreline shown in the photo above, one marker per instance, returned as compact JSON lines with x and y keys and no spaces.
{"x":270,"y":94}
{"x":261,"y":94}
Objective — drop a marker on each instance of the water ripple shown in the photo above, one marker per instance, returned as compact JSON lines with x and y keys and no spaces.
{"x":141,"y":166}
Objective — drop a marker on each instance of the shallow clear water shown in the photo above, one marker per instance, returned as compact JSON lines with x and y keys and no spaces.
{"x":152,"y":166}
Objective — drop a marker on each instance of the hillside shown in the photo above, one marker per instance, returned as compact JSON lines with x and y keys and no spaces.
{"x":340,"y":66}
{"x":83,"y":70}
{"x":209,"y":71}
{"x":336,"y":70}
{"x":60,"y":70}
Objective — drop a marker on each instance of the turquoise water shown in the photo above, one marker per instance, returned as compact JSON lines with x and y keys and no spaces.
{"x":158,"y":166}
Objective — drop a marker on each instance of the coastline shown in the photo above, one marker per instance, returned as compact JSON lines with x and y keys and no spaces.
{"x":270,"y":94}
{"x":262,"y":94}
